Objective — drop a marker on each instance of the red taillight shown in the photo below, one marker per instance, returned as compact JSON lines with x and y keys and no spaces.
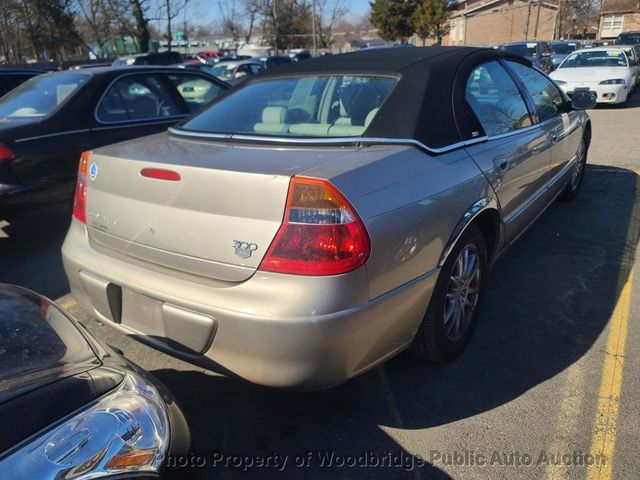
{"x":321,"y":233}
{"x":160,"y":174}
{"x":6,"y":153}
{"x":80,"y":198}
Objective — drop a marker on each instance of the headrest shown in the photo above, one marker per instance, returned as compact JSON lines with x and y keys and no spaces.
{"x":370,"y":116}
{"x":274,"y":115}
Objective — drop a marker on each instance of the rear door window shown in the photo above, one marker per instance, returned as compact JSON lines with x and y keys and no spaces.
{"x":138,"y":97}
{"x":495,"y":99}
{"x":195,"y":89}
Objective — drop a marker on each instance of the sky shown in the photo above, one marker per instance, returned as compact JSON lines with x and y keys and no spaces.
{"x":205,"y":12}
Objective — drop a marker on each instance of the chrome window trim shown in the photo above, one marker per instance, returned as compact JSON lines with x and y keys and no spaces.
{"x":513,"y":132}
{"x":146,"y":72}
{"x":142,"y":123}
{"x":326,"y":141}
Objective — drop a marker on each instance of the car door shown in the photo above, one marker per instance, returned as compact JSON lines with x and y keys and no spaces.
{"x":552,"y":112}
{"x":516,"y":155}
{"x":135,"y":105}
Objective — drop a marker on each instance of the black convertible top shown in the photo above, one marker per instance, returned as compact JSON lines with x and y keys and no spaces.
{"x":385,"y":61}
{"x":423,"y":105}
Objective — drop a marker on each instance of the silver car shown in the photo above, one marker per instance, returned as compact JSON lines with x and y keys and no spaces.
{"x":322,"y":218}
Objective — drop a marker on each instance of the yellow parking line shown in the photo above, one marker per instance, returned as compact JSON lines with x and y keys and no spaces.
{"x":605,"y":425}
{"x":606,"y":422}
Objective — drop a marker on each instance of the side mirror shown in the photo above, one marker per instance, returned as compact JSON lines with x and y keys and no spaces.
{"x":583,"y":100}
{"x":633,"y":63}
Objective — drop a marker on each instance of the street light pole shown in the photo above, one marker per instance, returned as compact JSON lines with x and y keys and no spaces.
{"x":526,"y":27}
{"x":313,"y":26}
{"x":535,"y":33}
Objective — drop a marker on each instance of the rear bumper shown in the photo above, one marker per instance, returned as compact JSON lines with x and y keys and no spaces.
{"x":276,"y":330}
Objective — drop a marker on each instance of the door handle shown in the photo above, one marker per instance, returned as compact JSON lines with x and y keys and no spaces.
{"x":501,"y":162}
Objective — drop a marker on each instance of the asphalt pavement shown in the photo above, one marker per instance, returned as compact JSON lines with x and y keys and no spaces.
{"x":548,"y":388}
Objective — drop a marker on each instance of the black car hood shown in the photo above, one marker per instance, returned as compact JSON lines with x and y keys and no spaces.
{"x":39,"y":344}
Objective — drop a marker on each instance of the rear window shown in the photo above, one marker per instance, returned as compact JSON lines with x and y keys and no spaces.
{"x":40,"y":96}
{"x":563,"y":48}
{"x":314,"y":106}
{"x":522,"y":49}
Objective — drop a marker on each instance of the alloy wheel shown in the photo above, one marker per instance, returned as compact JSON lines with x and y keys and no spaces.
{"x":578,"y":168}
{"x":463,"y":293}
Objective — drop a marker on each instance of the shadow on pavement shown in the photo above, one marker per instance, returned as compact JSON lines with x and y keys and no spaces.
{"x":549,"y":298}
{"x":32,"y":258}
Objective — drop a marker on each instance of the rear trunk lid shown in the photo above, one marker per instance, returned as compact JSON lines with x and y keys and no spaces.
{"x":217,"y":220}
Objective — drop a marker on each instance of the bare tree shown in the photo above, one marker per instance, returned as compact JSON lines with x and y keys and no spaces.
{"x":169,"y":10}
{"x":231,"y":24}
{"x":253,"y":9}
{"x":328,"y":13}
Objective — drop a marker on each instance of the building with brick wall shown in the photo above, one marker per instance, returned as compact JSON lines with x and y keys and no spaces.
{"x":617,"y":16}
{"x":492,"y":22}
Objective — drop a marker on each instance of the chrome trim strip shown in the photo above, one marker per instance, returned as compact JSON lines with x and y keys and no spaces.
{"x":326,"y":141}
{"x":474,"y":210}
{"x":530,"y":224}
{"x":70,"y":132}
{"x":540,"y":192}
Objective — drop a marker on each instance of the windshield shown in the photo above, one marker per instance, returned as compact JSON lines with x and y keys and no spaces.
{"x":224,"y":71}
{"x":40,"y":96}
{"x":595,"y":58}
{"x":522,"y":49}
{"x":563,"y":48}
{"x":314,"y":106}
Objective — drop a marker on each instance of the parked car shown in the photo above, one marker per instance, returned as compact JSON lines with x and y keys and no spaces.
{"x":604,"y":71}
{"x":634,"y":61}
{"x":10,"y":78}
{"x":162,"y":58}
{"x":72,"y":407}
{"x":197,"y":59}
{"x":270,"y":62}
{"x":209,"y":54}
{"x":236,"y":71}
{"x":308,"y":226}
{"x":628,"y":38}
{"x":539,"y":53}
{"x":47,"y":122}
{"x":298,"y":54}
{"x":560,"y":49}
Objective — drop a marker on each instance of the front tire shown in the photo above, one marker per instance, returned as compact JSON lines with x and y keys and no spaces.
{"x":573,"y":185}
{"x":455,"y":303}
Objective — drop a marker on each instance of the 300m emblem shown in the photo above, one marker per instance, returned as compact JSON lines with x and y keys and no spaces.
{"x":244,"y":249}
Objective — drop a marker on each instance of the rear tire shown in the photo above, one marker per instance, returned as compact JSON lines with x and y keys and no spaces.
{"x":575,"y":180}
{"x":455,"y":300}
